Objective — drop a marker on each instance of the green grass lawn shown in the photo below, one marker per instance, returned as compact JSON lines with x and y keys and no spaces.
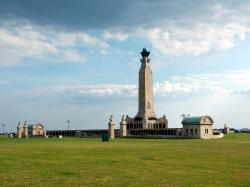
{"x":125,"y":162}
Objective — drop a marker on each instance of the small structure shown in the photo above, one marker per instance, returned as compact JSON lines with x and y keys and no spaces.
{"x":30,"y":130}
{"x":25,"y":130}
{"x":111,"y":125}
{"x":123,"y":127}
{"x":198,"y":127}
{"x":36,"y":130}
{"x":105,"y":137}
{"x":19,"y":130}
{"x":226,"y":129}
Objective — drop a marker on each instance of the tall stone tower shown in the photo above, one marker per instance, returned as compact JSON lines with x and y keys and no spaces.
{"x":145,"y":96}
{"x":145,"y":117}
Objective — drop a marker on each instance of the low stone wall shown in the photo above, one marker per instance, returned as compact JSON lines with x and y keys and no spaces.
{"x":169,"y":132}
{"x":214,"y":136}
{"x":154,"y":137}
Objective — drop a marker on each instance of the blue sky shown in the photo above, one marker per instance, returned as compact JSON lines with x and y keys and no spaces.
{"x":79,"y":60}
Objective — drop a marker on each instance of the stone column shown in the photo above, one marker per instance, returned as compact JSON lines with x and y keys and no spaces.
{"x":25,"y":130}
{"x":123,"y":127}
{"x":19,"y":130}
{"x":111,"y":128}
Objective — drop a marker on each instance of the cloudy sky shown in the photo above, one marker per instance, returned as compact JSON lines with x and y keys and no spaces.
{"x":79,"y":60}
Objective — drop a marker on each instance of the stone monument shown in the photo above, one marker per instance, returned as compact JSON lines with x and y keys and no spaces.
{"x":146,"y":117}
{"x":123,"y":127}
{"x":19,"y":130}
{"x":25,"y":130}
{"x":111,"y":128}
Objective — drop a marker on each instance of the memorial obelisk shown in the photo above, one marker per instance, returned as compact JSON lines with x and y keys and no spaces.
{"x":145,"y":96}
{"x":145,"y":117}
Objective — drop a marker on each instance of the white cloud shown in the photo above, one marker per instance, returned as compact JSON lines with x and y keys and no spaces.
{"x":206,"y":84}
{"x":20,"y":39}
{"x":74,"y":56}
{"x":99,"y":90}
{"x":232,"y":82}
{"x":219,"y":31}
{"x":71,"y":39}
{"x":201,"y":39}
{"x":23,"y":41}
{"x":120,"y":36}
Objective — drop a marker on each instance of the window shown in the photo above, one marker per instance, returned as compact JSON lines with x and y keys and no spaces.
{"x":187,"y":131}
{"x":206,"y":130}
{"x":191,"y":131}
{"x":195,"y":130}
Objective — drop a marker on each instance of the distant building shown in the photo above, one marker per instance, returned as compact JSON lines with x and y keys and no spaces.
{"x":198,"y":127}
{"x":244,"y":130}
{"x":36,"y":130}
{"x":227,"y":130}
{"x":25,"y":131}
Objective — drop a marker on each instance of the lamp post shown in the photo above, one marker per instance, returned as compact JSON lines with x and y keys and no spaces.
{"x":3,"y":125}
{"x":68,"y":122}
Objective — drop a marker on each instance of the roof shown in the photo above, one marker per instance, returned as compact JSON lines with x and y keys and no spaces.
{"x":191,"y":120}
{"x":195,"y":120}
{"x":35,"y":126}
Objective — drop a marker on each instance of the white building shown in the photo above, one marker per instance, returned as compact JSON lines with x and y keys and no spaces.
{"x":197,"y":127}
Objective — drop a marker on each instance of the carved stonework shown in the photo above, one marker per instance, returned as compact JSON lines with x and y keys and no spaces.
{"x":145,"y":53}
{"x":145,"y":97}
{"x":145,"y":117}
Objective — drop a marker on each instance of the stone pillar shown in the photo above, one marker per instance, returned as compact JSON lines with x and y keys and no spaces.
{"x":111,"y":128}
{"x":123,"y":127}
{"x":19,"y":130}
{"x":25,"y":130}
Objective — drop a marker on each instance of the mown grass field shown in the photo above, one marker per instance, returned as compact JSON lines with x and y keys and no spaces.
{"x":125,"y":162}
